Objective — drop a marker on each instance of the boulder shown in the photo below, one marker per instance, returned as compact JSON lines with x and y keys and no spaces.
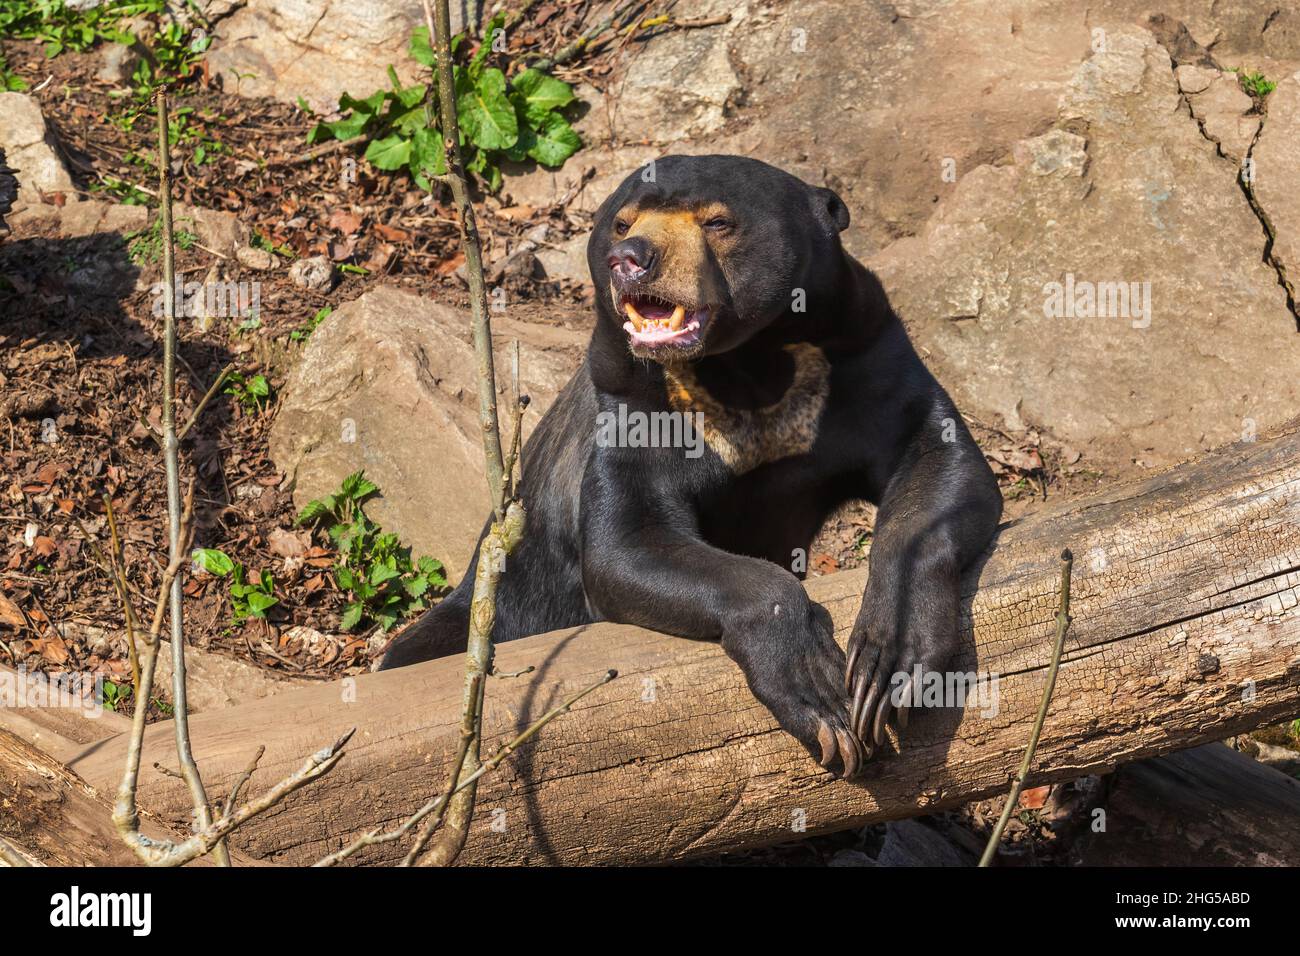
{"x":1156,"y":208}
{"x":567,"y":260}
{"x":220,"y":231}
{"x":317,"y":49}
{"x":680,"y":84}
{"x":81,"y":218}
{"x":30,"y":149}
{"x":388,"y":384}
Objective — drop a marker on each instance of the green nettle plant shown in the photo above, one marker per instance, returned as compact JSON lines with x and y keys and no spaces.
{"x":382,"y":583}
{"x":247,"y":598}
{"x":253,"y":392}
{"x":500,"y":120}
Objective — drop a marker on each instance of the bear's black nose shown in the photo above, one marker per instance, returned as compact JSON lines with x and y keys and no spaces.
{"x":632,"y":258}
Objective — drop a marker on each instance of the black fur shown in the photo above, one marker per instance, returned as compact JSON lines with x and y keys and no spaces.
{"x":689,"y":547}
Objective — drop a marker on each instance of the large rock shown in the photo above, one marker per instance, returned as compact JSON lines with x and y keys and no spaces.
{"x":388,"y":383}
{"x":29,"y":148}
{"x":680,"y":84}
{"x":83,"y":217}
{"x":1154,"y":204}
{"x":317,"y":49}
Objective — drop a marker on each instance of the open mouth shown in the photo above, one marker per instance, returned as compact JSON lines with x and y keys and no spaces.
{"x":654,"y":324}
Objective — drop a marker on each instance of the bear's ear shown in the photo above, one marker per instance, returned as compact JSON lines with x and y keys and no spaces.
{"x":829,"y":210}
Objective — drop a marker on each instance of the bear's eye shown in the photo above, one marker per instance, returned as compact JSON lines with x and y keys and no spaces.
{"x":621,"y":227}
{"x":718,"y":224}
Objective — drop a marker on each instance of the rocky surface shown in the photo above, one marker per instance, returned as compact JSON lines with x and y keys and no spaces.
{"x":986,"y":153}
{"x":30,"y":149}
{"x":1147,"y":201}
{"x":1277,"y":177}
{"x":387,"y":383}
{"x":316,"y":49}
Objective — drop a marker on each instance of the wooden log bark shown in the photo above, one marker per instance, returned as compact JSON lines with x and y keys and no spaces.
{"x":1186,"y":630}
{"x":1208,"y":806}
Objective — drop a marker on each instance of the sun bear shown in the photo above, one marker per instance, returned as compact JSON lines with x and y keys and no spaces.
{"x":730,"y":319}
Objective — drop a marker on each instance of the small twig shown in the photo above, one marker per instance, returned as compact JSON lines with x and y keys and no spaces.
{"x":505,"y":675}
{"x":1062,"y":625}
{"x":119,"y":583}
{"x":233,"y":799}
{"x":471,"y":721}
{"x":207,"y":397}
{"x":316,"y":152}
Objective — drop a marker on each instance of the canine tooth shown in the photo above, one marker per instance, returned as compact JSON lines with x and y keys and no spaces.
{"x":634,"y":315}
{"x":679,"y":314}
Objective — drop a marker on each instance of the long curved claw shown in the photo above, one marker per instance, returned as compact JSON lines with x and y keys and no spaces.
{"x":905,"y":706}
{"x":882,"y":714}
{"x":859,"y":698}
{"x":854,"y":653}
{"x":863,"y":717}
{"x":848,"y":752}
{"x":826,"y":738}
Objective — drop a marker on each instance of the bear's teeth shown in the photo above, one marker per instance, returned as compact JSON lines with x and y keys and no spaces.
{"x":634,"y":315}
{"x":679,"y":315}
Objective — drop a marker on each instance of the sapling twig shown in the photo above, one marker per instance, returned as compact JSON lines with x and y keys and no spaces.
{"x":1062,"y":625}
{"x":507,"y":527}
{"x":171,"y":458}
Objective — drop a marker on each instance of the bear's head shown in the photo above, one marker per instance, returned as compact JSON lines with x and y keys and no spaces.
{"x":694,"y":255}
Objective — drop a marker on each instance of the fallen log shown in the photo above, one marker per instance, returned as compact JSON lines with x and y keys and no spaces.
{"x":1208,"y":806}
{"x":1186,"y":630}
{"x":50,"y":817}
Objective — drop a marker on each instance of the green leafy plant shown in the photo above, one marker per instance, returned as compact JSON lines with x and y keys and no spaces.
{"x":174,"y":52}
{"x":500,"y":119}
{"x":145,"y":245}
{"x":61,"y":27}
{"x":10,"y":82}
{"x":1255,"y":84}
{"x":248,"y":598}
{"x":261,"y":241}
{"x":383,"y":584}
{"x":304,"y":333}
{"x":115,"y":693}
{"x":252,"y":392}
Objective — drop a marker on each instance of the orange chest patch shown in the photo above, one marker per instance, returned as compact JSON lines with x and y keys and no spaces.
{"x":745,"y":438}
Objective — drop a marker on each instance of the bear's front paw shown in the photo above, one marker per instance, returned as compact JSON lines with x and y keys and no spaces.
{"x":795,"y":671}
{"x":890,"y":644}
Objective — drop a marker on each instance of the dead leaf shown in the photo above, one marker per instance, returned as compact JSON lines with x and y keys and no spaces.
{"x":824,"y":563}
{"x":1034,"y":797}
{"x":286,"y":544}
{"x":54,"y":650}
{"x":447,"y":266}
{"x":345,"y":222}
{"x":391,"y":233}
{"x":10,"y":614}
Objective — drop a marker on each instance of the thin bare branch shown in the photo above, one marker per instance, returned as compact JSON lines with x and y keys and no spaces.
{"x":1062,"y":625}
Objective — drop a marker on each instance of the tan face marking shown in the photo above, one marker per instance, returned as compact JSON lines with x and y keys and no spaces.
{"x":746,"y":438}
{"x":686,"y":274}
